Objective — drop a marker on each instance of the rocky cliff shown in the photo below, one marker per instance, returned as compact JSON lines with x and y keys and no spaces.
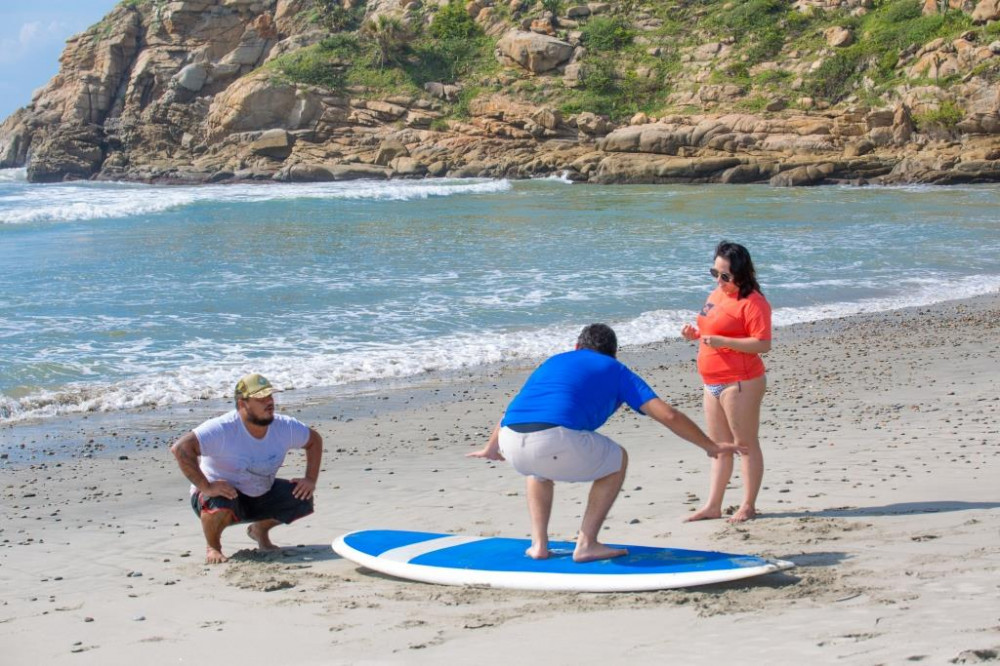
{"x":223,"y":90}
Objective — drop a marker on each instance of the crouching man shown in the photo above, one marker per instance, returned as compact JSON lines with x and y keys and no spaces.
{"x":232,"y":462}
{"x":548,"y":434}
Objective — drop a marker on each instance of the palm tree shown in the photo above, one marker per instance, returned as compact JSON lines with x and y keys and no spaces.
{"x":389,"y":34}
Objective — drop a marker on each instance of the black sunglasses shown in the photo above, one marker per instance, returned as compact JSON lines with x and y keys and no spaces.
{"x":726,"y":277}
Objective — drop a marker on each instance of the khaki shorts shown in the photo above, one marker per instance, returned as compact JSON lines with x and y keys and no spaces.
{"x":561,"y":454}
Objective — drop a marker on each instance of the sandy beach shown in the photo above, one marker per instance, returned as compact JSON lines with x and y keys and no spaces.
{"x":882,"y":452}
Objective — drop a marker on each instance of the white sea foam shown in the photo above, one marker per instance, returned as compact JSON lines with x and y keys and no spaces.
{"x":561,"y":177}
{"x":923,"y":292}
{"x":90,"y":201}
{"x":13,"y":175}
{"x":320,"y":363}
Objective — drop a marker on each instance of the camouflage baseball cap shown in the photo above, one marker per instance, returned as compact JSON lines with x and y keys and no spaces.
{"x":254,"y":386}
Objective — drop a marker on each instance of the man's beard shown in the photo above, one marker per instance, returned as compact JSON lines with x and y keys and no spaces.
{"x":263,"y":421}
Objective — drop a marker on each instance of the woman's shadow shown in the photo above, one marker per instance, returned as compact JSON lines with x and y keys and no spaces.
{"x":903,"y":508}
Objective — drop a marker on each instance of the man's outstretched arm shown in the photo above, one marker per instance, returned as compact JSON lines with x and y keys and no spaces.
{"x":492,"y":449}
{"x":679,"y":424}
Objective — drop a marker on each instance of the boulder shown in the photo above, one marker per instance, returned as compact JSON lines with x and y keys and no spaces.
{"x":305,"y":173}
{"x":858,"y":148}
{"x":15,"y":139}
{"x":627,"y":139}
{"x":390,"y":150}
{"x":725,"y":92}
{"x":745,"y":173}
{"x":902,"y":125}
{"x":640,"y":168}
{"x":317,"y":173}
{"x":535,"y":53}
{"x":420,"y":119}
{"x":592,"y":124}
{"x":543,"y":26}
{"x":408,"y":167}
{"x":811,"y":174}
{"x":879,"y":118}
{"x":838,"y":37}
{"x":192,"y":77}
{"x":358,"y":172}
{"x":276,"y":144}
{"x":258,"y":102}
{"x":910,"y":170}
{"x":443,"y":91}
{"x":881,"y":136}
{"x":572,"y":75}
{"x":707,"y":51}
{"x":986,"y":10}
{"x":68,"y":153}
{"x":935,"y":65}
{"x":547,"y":118}
{"x":470,"y":170}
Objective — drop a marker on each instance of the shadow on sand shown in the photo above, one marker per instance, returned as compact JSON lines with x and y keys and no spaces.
{"x":904,"y":508}
{"x":302,"y":554}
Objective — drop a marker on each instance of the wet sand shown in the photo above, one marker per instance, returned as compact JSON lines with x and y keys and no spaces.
{"x":881,"y":436}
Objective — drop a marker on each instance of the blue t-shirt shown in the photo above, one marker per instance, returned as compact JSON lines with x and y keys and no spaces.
{"x":580,"y":390}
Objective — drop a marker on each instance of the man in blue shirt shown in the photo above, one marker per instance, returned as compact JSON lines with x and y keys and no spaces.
{"x":548,"y":434}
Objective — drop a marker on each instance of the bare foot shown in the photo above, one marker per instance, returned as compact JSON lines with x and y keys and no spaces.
{"x":214,"y":556}
{"x":704,"y":513}
{"x":596,"y":551}
{"x":743,"y":514}
{"x":538,"y":553}
{"x":263,"y":540}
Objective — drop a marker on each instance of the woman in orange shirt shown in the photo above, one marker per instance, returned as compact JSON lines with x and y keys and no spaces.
{"x":734,"y":327}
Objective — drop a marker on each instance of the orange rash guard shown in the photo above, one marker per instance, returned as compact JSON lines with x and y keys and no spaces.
{"x":730,"y":317}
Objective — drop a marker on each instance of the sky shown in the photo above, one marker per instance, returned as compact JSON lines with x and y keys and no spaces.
{"x":33,"y":34}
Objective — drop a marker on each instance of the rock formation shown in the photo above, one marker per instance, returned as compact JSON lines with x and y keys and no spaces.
{"x":182,"y":91}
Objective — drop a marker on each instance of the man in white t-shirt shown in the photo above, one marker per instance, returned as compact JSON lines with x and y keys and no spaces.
{"x":232,"y":462}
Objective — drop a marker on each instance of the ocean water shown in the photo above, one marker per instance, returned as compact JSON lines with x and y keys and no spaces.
{"x":114,"y":296}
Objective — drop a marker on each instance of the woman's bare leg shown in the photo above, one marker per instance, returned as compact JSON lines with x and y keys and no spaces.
{"x":742,"y":408}
{"x":717,"y":426}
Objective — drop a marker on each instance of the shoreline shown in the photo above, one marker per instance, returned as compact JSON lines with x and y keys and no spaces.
{"x":942,"y":179}
{"x":881,"y":448}
{"x":361,"y":399}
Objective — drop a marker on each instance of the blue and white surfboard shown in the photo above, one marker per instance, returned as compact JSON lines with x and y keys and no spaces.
{"x":450,"y":559}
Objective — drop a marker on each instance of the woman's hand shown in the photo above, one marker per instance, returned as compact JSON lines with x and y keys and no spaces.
{"x":689,"y":332}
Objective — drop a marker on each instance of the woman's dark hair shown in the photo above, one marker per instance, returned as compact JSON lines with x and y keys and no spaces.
{"x":599,"y":337}
{"x":740,"y":266}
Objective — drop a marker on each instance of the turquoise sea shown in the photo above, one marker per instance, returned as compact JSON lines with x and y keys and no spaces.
{"x":114,"y":296}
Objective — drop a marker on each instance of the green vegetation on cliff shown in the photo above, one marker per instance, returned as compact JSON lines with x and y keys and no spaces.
{"x":886,"y":33}
{"x":384,"y":55}
{"x":654,"y":57}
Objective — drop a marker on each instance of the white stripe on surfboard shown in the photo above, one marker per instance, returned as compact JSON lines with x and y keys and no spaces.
{"x":407,"y":553}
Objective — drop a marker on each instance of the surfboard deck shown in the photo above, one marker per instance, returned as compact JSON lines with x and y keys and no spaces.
{"x":453,"y":559}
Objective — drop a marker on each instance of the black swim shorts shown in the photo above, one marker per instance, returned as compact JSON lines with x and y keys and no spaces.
{"x":278,"y":503}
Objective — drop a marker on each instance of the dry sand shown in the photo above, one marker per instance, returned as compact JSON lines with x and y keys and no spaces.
{"x":882,"y":450}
